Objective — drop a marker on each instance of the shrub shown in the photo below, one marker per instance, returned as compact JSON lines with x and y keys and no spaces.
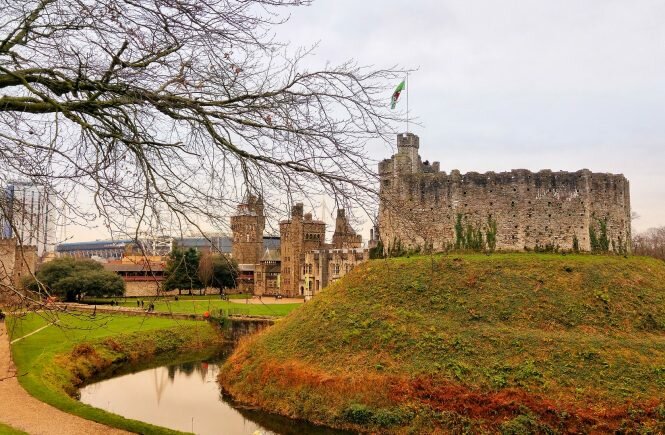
{"x":358,"y":414}
{"x":70,"y":278}
{"x":524,"y":424}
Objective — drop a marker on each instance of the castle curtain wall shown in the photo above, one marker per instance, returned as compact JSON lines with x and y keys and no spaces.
{"x":543,"y":210}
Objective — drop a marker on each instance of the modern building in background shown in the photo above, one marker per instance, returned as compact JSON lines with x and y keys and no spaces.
{"x":27,"y":214}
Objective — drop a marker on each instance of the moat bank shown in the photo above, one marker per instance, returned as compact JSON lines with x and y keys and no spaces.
{"x":186,"y":397}
{"x":517,"y":343}
{"x":53,"y":363}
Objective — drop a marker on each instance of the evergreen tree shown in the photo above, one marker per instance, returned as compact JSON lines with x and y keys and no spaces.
{"x":182,"y":270}
{"x":218,"y":271}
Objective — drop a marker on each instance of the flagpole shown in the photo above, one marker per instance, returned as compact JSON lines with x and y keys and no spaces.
{"x":407,"y":101}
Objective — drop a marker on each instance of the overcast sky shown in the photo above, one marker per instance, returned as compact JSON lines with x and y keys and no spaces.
{"x":506,"y":84}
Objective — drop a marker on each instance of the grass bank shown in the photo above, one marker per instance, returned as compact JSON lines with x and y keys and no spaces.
{"x":8,"y":430}
{"x":54,"y":362}
{"x":512,"y":343}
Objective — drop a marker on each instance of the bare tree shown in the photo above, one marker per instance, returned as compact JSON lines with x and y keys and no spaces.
{"x":169,"y":109}
{"x":650,"y":242}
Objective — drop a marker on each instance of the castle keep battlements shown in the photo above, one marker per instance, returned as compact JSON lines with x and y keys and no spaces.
{"x":422,"y":206}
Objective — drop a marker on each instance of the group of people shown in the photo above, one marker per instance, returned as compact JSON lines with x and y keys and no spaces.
{"x":141,"y":304}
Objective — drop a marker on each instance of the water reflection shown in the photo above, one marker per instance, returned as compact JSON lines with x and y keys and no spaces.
{"x":186,"y":397}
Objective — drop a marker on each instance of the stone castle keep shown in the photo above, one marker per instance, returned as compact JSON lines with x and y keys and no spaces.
{"x":422,"y":207}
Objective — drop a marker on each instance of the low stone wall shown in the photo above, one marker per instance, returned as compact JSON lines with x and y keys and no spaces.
{"x":154,"y":288}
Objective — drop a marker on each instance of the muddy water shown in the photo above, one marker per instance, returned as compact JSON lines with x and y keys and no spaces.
{"x":186,"y":397}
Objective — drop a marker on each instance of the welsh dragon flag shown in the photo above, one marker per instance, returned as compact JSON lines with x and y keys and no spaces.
{"x":395,"y":97}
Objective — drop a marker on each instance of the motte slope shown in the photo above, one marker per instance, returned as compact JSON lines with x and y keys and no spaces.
{"x":511,"y":342}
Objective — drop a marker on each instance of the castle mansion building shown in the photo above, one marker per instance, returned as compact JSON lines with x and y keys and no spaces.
{"x":423,"y":207}
{"x":303,"y":263}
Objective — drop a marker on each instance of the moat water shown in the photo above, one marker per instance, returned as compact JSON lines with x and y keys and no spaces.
{"x":187,"y":397}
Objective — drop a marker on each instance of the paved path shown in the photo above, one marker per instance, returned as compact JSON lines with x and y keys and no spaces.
{"x":22,"y":411}
{"x":33,"y":332}
{"x":267,"y":300}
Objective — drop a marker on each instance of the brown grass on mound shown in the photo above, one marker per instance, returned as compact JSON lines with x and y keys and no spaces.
{"x":515,"y":343}
{"x":490,"y":408}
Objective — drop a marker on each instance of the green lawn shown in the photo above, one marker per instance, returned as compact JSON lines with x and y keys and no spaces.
{"x":199,"y":306}
{"x":8,"y":430}
{"x":42,"y":374}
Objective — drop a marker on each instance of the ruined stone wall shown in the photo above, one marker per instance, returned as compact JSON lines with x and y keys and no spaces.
{"x":7,"y":260}
{"x":15,"y":264}
{"x":420,"y":206}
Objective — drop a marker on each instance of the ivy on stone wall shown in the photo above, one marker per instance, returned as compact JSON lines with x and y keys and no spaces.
{"x":472,"y":238}
{"x":377,"y":251}
{"x":600,"y":242}
{"x":459,"y":232}
{"x":490,"y":234}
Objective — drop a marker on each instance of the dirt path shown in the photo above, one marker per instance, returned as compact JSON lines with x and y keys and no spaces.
{"x":22,"y":411}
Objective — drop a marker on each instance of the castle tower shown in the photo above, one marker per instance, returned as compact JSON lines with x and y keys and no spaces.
{"x":247,"y":225}
{"x":407,"y":152}
{"x":345,"y":236}
{"x":298,"y":235}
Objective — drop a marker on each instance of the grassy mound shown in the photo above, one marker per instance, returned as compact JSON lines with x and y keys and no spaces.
{"x":515,"y":343}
